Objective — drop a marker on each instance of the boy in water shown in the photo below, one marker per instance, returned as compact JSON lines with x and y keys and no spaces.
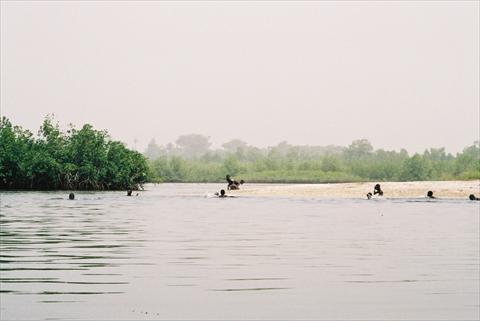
{"x":377,"y":190}
{"x":473,"y":198}
{"x":129,"y":192}
{"x":222,"y":194}
{"x":233,"y":185}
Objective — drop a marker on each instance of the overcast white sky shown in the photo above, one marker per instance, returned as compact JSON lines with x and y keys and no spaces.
{"x":401,"y":74}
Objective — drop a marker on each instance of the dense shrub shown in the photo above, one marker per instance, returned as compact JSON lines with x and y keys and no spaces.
{"x":80,"y":159}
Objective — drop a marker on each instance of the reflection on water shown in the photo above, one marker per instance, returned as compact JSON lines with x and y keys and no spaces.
{"x":49,"y":243}
{"x":105,"y":255}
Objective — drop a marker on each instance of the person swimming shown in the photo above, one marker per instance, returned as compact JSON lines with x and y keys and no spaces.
{"x":430,"y":194}
{"x":236,"y":185}
{"x":377,"y":190}
{"x":222,"y":194}
{"x":129,"y":192}
{"x":473,"y":197}
{"x":232,"y":184}
{"x":369,"y":195}
{"x":229,"y":181}
{"x":71,"y":196}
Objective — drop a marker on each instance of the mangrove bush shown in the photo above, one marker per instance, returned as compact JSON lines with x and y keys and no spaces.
{"x":84,"y":159}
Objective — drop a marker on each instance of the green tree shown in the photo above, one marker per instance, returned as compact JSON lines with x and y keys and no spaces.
{"x":467,"y":164}
{"x":360,"y":148}
{"x":232,"y":165}
{"x":330,"y":163}
{"x":416,"y":168}
{"x":83,"y":159}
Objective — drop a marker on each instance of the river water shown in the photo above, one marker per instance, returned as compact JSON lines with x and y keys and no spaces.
{"x":173,"y":253}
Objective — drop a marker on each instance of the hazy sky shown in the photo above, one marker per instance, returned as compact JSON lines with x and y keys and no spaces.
{"x":401,"y":74}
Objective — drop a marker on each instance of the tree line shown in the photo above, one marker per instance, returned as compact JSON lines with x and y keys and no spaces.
{"x":190,"y":159}
{"x":88,"y":159}
{"x":78,"y":159}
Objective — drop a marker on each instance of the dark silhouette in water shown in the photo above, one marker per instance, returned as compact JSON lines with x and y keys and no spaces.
{"x":236,"y":185}
{"x":222,"y":194}
{"x":369,"y":195}
{"x":473,"y":198}
{"x":71,"y":196}
{"x":430,"y":194}
{"x":377,"y":190}
{"x":232,"y":184}
{"x":129,"y":192}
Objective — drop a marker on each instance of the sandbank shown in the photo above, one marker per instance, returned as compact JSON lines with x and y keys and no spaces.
{"x":441,"y":189}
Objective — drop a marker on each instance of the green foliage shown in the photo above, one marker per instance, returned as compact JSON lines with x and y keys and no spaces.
{"x":286,"y":163}
{"x":416,"y":168}
{"x":468,"y":162}
{"x":232,"y":165}
{"x":331,"y":163}
{"x":360,"y":148}
{"x":81,"y":159}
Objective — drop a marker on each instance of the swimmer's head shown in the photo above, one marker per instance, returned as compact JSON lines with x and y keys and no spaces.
{"x":222,"y":192}
{"x":377,"y":186}
{"x":71,"y":196}
{"x":129,"y":192}
{"x":242,"y":181}
{"x":430,"y":194}
{"x":471,"y":197}
{"x":369,"y":195}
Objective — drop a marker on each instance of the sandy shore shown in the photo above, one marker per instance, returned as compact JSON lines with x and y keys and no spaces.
{"x":445,"y":189}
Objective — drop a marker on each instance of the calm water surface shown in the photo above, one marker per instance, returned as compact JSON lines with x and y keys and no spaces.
{"x":172,"y":253}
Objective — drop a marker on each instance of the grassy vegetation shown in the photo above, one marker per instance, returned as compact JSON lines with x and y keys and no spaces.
{"x":286,"y":163}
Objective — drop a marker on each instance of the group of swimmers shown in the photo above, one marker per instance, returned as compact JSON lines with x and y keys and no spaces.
{"x":378,"y":190}
{"x":71,"y":196}
{"x":234,"y":185}
{"x":231,"y":185}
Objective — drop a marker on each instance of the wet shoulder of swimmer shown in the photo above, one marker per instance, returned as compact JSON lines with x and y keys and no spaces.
{"x":222,"y":194}
{"x":130,"y":191}
{"x":430,"y":195}
{"x":377,"y":191}
{"x":233,"y":184}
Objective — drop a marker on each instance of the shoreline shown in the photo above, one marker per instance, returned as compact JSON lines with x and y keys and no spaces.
{"x":417,"y":189}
